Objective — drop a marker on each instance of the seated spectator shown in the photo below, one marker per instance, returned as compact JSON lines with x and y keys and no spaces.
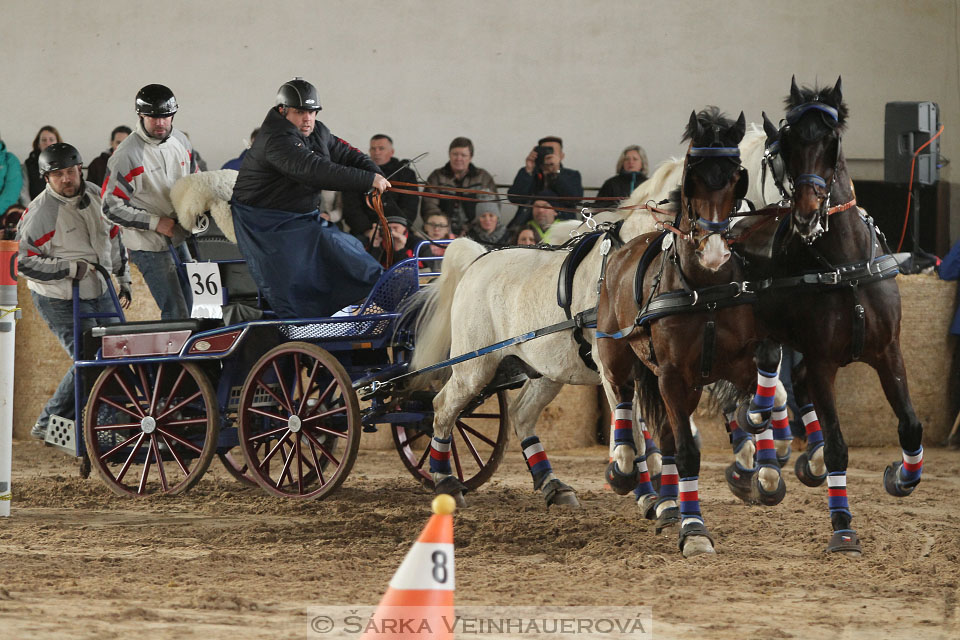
{"x":11,"y":178}
{"x":461,"y":173}
{"x":487,"y":227}
{"x":356,"y":214}
{"x":436,"y":227}
{"x":631,"y":171}
{"x":543,"y":170}
{"x":542,"y":217}
{"x":403,"y":245}
{"x":236,"y":162}
{"x":33,"y":183}
{"x":526,"y":237}
{"x":97,"y":169}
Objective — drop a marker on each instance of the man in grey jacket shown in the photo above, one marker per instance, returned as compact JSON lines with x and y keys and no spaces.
{"x":136,"y":195}
{"x":61,"y":237}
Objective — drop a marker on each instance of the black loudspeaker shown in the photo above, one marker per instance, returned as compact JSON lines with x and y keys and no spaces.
{"x":907,"y":127}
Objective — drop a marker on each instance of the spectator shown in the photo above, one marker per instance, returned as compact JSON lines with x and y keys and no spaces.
{"x":631,"y":171}
{"x":97,"y":170}
{"x":404,"y":246}
{"x":51,"y":262}
{"x":437,"y":227}
{"x":11,"y":178}
{"x":543,"y":170}
{"x":33,"y":184}
{"x":137,"y":197}
{"x":459,"y":172}
{"x":236,"y":162}
{"x":542,"y":217}
{"x":487,"y":226}
{"x":526,"y":237}
{"x":356,"y":214}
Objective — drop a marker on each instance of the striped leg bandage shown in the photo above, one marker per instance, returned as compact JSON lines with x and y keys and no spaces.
{"x":644,"y":487}
{"x":837,"y":493}
{"x":689,"y":501}
{"x":812,"y":425}
{"x":623,"y":425}
{"x":537,"y":460}
{"x":440,"y":455}
{"x":669,"y":479}
{"x":766,"y":450}
{"x":912,"y":467}
{"x":766,"y":390}
{"x":649,"y":445}
{"x":781,"y":424}
{"x":737,"y":435}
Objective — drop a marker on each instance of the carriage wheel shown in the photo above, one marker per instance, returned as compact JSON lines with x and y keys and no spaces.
{"x":151,"y":428}
{"x":236,"y":466}
{"x":299,"y":422}
{"x":479,"y":440}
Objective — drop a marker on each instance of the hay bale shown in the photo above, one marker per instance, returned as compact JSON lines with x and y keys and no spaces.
{"x":40,"y":361}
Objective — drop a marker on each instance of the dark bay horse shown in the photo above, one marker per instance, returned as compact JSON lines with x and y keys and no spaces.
{"x":831,"y":295}
{"x":687,"y":323}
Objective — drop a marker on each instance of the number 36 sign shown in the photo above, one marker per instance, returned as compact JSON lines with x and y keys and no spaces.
{"x":207,"y":291}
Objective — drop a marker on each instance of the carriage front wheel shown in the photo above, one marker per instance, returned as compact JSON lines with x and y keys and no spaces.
{"x":151,"y":428}
{"x":480,"y":437}
{"x":299,"y":422}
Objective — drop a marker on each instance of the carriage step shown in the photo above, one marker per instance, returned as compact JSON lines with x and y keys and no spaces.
{"x":62,"y":434}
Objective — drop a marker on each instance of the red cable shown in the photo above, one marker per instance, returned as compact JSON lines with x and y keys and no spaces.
{"x":913,"y":163}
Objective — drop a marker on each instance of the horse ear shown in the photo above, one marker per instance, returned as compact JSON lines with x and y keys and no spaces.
{"x":740,"y":129}
{"x":836,"y":92}
{"x":693,"y":127}
{"x":773,"y":134}
{"x":795,"y":96}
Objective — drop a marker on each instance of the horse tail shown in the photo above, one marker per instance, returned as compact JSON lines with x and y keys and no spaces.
{"x":651,"y":405}
{"x":432,"y":306}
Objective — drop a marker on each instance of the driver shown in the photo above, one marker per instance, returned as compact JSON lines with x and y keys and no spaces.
{"x":304,"y":266}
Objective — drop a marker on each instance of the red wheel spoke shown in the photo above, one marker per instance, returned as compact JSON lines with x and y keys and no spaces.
{"x":309,"y":387}
{"x":322,"y":448}
{"x":126,"y":390}
{"x":108,"y":454}
{"x":156,"y":390}
{"x":176,"y":457}
{"x":423,"y":458}
{"x":468,"y":428}
{"x":285,"y":471}
{"x":316,"y":462}
{"x":273,"y":452}
{"x":267,"y":434}
{"x":185,"y":422}
{"x":263,"y":386}
{"x":325,"y":414}
{"x":267,"y":414}
{"x":338,"y":434}
{"x":142,"y":374}
{"x":174,"y":388}
{"x":283,"y":388}
{"x":145,"y":473}
{"x":469,"y":443}
{"x":177,"y":406}
{"x":117,"y":427}
{"x":405,"y":443}
{"x":186,"y":443}
{"x":299,"y":454}
{"x":297,"y":381}
{"x":456,"y":458}
{"x":121,"y":408}
{"x":159,"y":459}
{"x":323,"y":396}
{"x":482,"y":416}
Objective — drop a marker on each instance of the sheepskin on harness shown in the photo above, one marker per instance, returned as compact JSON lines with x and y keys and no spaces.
{"x":199,"y":193}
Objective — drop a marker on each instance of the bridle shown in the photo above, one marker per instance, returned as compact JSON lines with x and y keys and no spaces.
{"x":696,"y":156}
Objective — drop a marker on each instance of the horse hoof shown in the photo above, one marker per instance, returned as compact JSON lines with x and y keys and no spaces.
{"x":891,"y":481}
{"x":452,"y":487}
{"x":804,"y":474}
{"x":668,"y":517}
{"x":648,"y":504}
{"x":741,"y":482}
{"x":747,"y":419}
{"x":560,"y":494}
{"x":770,"y":498}
{"x":621,"y":483}
{"x":785,"y":458}
{"x":695,"y":540}
{"x":846,"y":542}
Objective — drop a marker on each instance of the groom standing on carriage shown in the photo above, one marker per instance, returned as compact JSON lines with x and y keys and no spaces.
{"x":303,"y":266}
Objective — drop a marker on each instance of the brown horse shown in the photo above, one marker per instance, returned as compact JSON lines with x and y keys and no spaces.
{"x":686,"y":318}
{"x":831,"y":295}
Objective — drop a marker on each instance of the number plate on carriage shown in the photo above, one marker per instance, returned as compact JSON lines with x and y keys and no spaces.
{"x":206,"y":288}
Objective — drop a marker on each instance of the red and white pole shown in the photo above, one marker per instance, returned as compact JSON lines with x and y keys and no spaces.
{"x":9,"y":314}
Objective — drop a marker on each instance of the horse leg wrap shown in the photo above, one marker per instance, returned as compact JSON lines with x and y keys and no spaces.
{"x":781,"y":434}
{"x":440,"y":455}
{"x":649,"y":445}
{"x":537,"y":460}
{"x":837,"y":499}
{"x":803,"y":469}
{"x":900,"y":478}
{"x":669,"y":494}
{"x":651,"y":452}
{"x":689,"y":495}
{"x":644,"y":486}
{"x":622,"y":483}
{"x":763,"y":400}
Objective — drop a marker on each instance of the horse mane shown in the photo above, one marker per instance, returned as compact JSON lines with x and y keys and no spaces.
{"x":708,"y":117}
{"x":827,"y":95}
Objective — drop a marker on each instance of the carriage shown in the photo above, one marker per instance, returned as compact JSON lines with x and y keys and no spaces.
{"x":275,"y":400}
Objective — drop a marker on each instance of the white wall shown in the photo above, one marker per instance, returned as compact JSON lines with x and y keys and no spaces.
{"x":503,"y":72}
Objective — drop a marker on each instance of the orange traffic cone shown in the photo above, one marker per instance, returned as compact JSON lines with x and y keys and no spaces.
{"x":419,"y":601}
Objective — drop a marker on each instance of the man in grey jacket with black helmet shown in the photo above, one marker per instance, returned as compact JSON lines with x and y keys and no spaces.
{"x":61,"y":236}
{"x":136,"y":195}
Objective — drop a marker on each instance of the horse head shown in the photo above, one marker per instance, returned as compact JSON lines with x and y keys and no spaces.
{"x":713,"y":183}
{"x":810,"y":147}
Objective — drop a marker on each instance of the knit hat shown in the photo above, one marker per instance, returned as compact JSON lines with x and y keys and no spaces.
{"x":488,"y":207}
{"x":398,"y":220}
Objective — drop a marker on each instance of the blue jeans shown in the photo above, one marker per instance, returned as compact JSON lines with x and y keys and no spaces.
{"x":171,"y":292}
{"x":58,"y":314}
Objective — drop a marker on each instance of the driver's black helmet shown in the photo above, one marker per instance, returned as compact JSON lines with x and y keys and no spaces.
{"x":59,"y":155}
{"x":299,"y":94}
{"x":156,"y":101}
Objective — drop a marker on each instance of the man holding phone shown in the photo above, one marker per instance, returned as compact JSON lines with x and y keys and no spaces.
{"x":544,"y":171}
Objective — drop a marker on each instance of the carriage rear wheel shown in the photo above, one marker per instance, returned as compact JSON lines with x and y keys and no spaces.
{"x":236,"y":466}
{"x":479,"y":439}
{"x":299,"y":422}
{"x":151,"y":428}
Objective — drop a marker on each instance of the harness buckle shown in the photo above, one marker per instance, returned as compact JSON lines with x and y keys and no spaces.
{"x":605,"y":246}
{"x":744,"y":287}
{"x":587,"y":215}
{"x":832,"y":277}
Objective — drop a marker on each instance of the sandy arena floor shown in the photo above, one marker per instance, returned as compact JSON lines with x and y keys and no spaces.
{"x":230,"y":562}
